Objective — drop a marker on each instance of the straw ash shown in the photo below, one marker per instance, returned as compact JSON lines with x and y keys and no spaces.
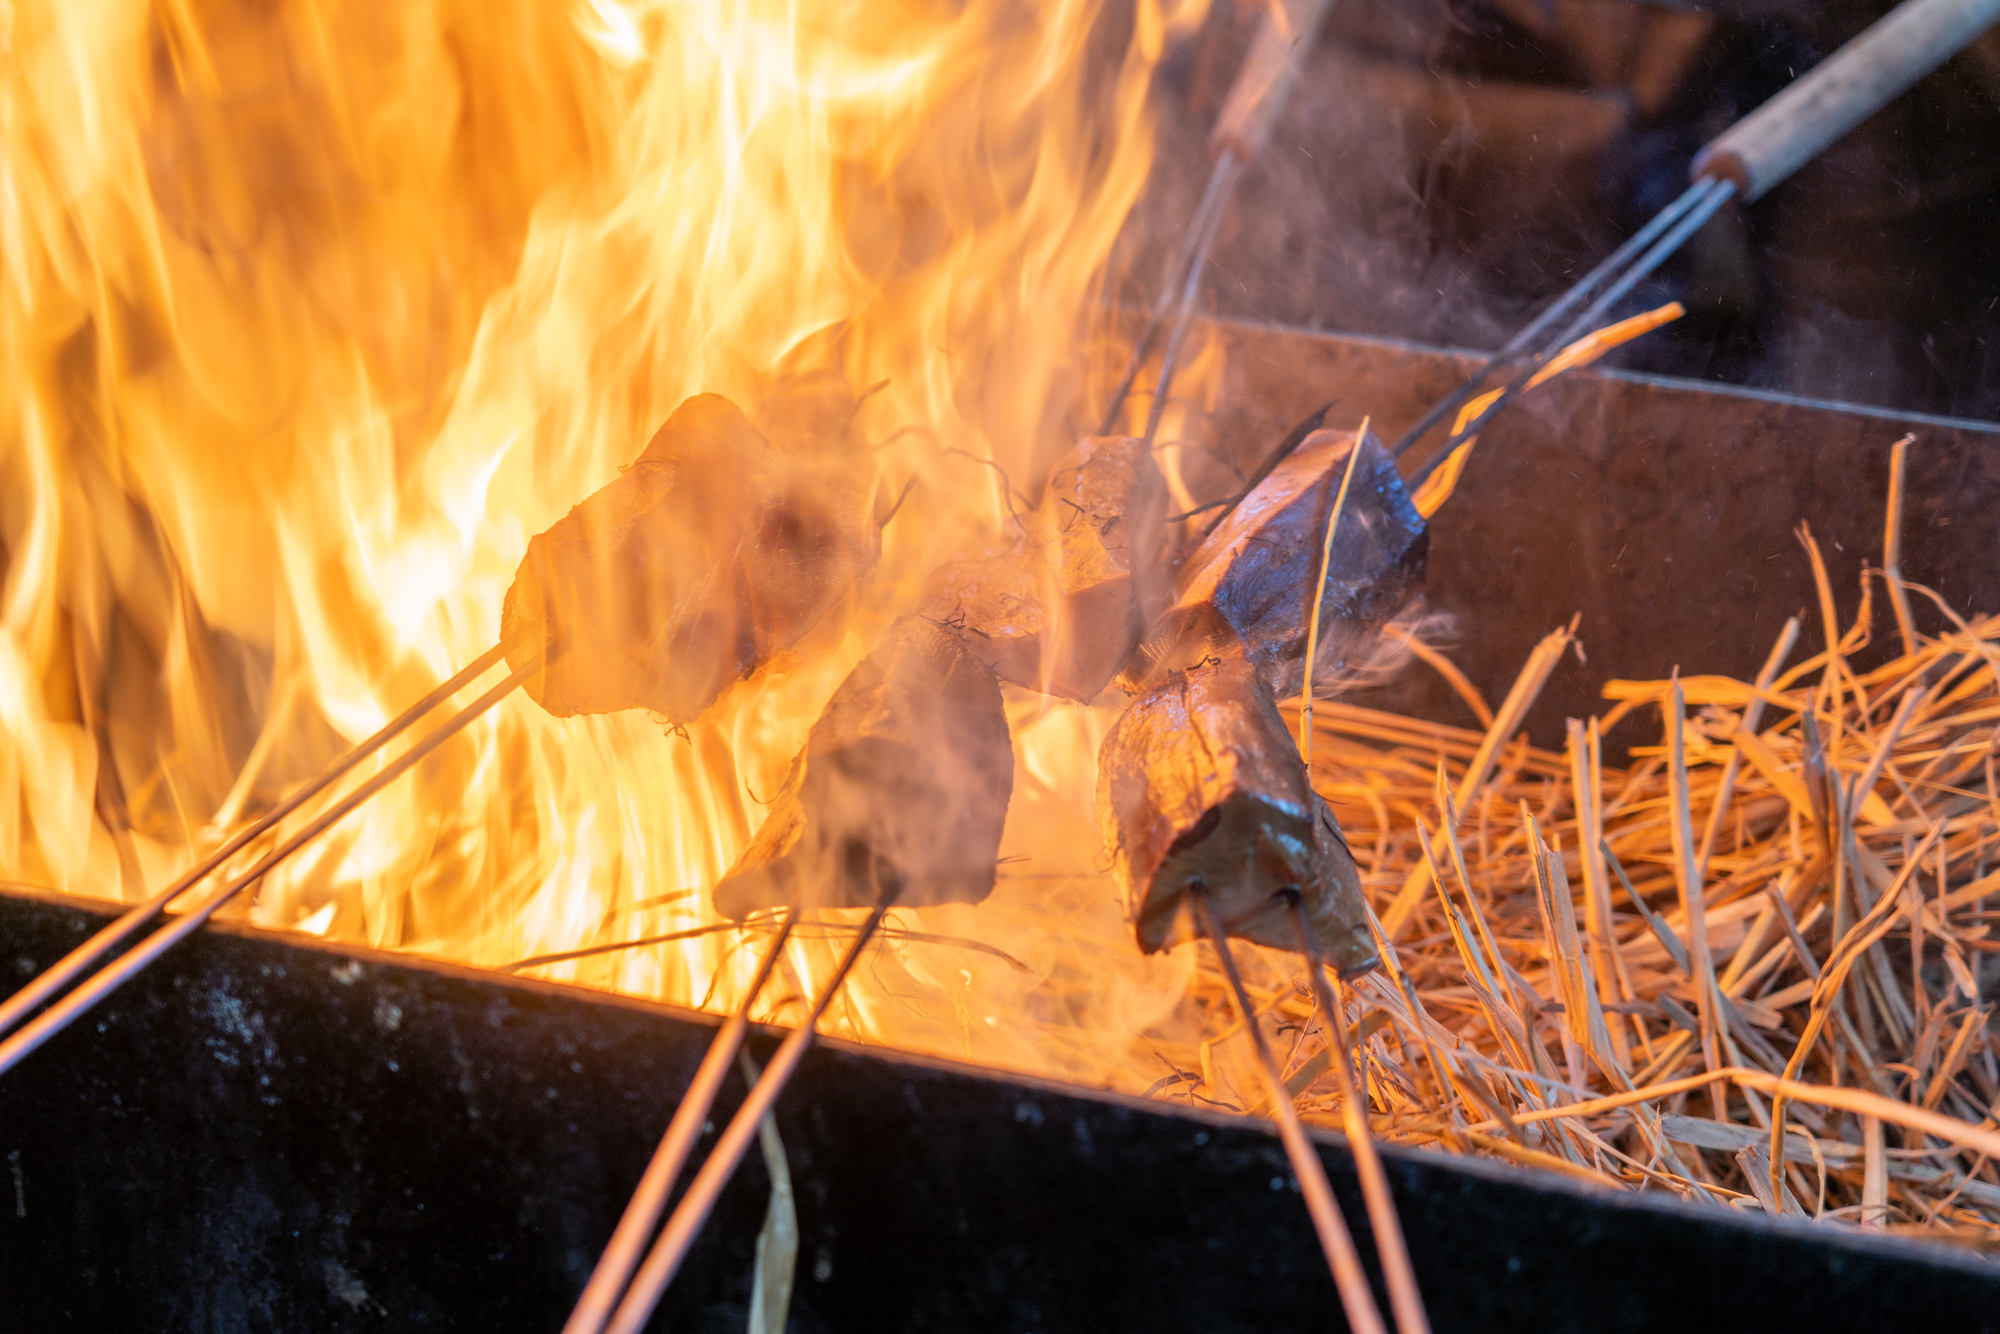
{"x":1671,"y":976}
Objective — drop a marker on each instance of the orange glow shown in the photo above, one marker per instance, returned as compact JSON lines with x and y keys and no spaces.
{"x":314,"y":314}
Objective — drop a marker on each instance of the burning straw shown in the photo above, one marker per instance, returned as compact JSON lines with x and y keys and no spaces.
{"x":1746,"y":969}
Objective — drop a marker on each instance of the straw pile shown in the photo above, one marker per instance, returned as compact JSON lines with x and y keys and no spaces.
{"x":1760,"y":944}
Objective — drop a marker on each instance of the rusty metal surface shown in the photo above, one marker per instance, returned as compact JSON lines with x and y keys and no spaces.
{"x":1662,"y":510}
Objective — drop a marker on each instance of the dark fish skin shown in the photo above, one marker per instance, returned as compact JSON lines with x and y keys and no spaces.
{"x":1200,"y":785}
{"x":1250,"y":581}
{"x":712,"y":553}
{"x":1063,"y":608}
{"x":902,"y":786}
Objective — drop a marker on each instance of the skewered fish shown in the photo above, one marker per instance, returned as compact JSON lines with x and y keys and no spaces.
{"x":901,"y":790}
{"x":1199,"y":785}
{"x":1250,"y":582}
{"x":1062,"y":610}
{"x":713,"y":552}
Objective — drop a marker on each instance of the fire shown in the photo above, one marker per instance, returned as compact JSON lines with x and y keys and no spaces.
{"x":314,"y":314}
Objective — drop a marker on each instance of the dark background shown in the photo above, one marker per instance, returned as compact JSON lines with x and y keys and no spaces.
{"x":1449,"y":166}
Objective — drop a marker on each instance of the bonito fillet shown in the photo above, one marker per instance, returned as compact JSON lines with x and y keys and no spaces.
{"x":712,"y":553}
{"x":901,"y":790}
{"x":1250,"y":582}
{"x":1200,"y":786}
{"x":1062,"y":610}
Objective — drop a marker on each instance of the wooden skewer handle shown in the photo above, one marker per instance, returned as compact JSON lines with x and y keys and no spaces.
{"x":1269,"y":75}
{"x":1841,"y":91}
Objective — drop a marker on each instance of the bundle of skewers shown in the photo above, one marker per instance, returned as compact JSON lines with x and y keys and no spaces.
{"x":1745,"y":969}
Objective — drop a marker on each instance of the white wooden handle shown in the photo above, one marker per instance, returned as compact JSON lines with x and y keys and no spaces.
{"x":1843,"y":90}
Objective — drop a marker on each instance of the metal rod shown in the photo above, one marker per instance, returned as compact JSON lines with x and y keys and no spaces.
{"x":72,"y":965}
{"x":1714,"y":194}
{"x":1561,"y":307}
{"x":1766,"y":147}
{"x":1212,"y":195}
{"x":1263,"y":88}
{"x":642,"y":1214}
{"x":692,"y":1212}
{"x":1225,"y":167}
{"x":1357,"y":1299}
{"x":1390,"y":1248}
{"x":1286,"y":448}
{"x":128,"y":965}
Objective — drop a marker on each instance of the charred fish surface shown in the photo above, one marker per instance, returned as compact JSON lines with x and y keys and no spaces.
{"x":710,"y":554}
{"x":1063,"y":609}
{"x":902,"y":786}
{"x":1200,"y":785}
{"x":1251,"y":580}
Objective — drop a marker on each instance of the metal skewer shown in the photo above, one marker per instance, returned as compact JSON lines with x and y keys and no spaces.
{"x":1357,"y":1299}
{"x":1284,"y":449}
{"x":1704,"y":199}
{"x":1745,"y":161}
{"x":72,"y":965}
{"x":664,"y":1261}
{"x":1224,"y":178}
{"x":1263,"y":86}
{"x":128,"y":965}
{"x":649,"y":1200}
{"x":1530,"y":339}
{"x":1186,"y":258}
{"x":1390,"y":1248}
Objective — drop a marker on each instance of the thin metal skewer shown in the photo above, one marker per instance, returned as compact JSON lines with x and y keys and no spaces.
{"x":1220,"y":178}
{"x":1754,"y":155}
{"x":1662,"y":235}
{"x":1390,"y":1248}
{"x":1263,"y":87}
{"x":128,"y":965}
{"x":72,"y":965}
{"x":664,"y":1261}
{"x":1225,"y":175}
{"x":1284,"y":449}
{"x":649,"y":1200}
{"x":1529,"y":336}
{"x":1710,"y":195}
{"x":1357,"y":1299}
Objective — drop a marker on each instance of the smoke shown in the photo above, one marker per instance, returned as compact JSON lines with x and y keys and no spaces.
{"x":1393,"y":200}
{"x":1388,"y":656}
{"x":1447,"y":169}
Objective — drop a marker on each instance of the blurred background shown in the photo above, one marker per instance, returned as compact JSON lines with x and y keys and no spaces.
{"x":1449,"y":166}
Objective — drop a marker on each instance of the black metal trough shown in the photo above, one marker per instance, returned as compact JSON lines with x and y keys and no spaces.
{"x":264,"y":1133}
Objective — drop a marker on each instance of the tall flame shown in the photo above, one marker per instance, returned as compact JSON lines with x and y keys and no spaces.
{"x":314,"y":313}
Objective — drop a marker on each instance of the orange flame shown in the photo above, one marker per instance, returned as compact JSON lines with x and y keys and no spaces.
{"x":314,"y":314}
